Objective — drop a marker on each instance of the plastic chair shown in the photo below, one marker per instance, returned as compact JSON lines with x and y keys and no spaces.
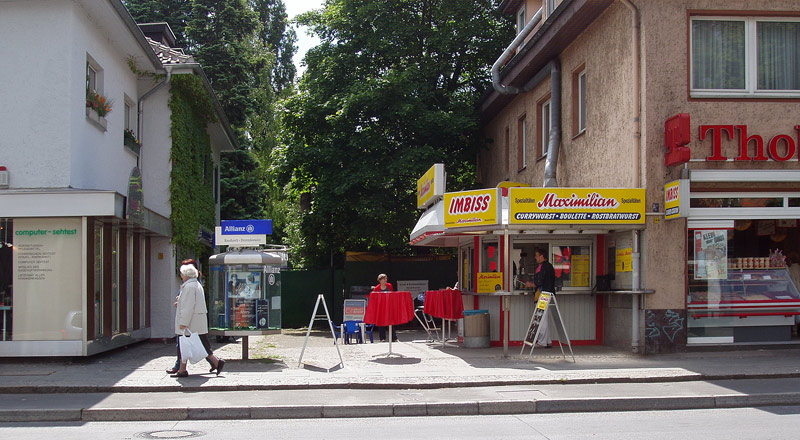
{"x":368,"y":328}
{"x":337,"y":332}
{"x":351,"y":328}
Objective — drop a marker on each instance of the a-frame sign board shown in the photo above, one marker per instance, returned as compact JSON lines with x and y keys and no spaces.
{"x":540,"y":313}
{"x":325,"y":317}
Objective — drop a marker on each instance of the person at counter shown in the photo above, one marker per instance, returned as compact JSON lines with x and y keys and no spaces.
{"x":544,"y":278}
{"x":384,"y":286}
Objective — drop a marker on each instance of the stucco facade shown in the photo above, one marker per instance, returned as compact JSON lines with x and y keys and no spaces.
{"x":605,"y":154}
{"x":74,"y":218}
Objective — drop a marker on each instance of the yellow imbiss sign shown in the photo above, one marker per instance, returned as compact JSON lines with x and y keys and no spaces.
{"x":472,"y":208}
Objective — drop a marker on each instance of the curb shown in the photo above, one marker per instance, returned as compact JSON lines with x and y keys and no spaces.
{"x":177,"y":387}
{"x":404,"y":409}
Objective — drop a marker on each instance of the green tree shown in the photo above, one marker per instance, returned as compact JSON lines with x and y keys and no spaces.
{"x":391,"y":90}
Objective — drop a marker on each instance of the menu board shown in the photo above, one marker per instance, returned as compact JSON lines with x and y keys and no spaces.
{"x":580,"y":271}
{"x":536,"y":319}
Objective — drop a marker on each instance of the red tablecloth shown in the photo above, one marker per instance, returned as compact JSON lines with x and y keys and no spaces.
{"x":389,"y":308}
{"x":444,"y":304}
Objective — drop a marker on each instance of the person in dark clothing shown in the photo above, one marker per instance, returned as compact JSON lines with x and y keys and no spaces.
{"x":545,"y":280}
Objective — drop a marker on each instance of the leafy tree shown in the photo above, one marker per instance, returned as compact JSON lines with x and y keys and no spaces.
{"x":391,"y":90}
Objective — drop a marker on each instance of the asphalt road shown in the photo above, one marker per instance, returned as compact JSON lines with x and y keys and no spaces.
{"x":778,"y":422}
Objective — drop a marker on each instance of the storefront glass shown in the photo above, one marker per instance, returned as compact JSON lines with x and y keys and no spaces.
{"x":572,"y":265}
{"x":6,"y":285}
{"x":743,"y":282}
{"x":98,"y":279}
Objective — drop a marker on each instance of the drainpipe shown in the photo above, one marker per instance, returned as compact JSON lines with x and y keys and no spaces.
{"x":139,"y":122}
{"x":551,"y":163}
{"x":637,"y":178}
{"x":508,"y":90}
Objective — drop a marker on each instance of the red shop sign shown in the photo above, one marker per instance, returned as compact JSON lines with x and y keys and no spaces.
{"x":677,"y":136}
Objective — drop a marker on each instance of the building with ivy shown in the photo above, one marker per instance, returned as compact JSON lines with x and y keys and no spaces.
{"x":109,"y":176}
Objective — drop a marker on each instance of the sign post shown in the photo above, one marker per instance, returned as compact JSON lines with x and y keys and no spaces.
{"x":539,"y":314}
{"x":315,"y":317}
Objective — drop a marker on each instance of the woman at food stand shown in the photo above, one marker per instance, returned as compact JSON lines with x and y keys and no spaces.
{"x":384,"y":286}
{"x":545,"y":280}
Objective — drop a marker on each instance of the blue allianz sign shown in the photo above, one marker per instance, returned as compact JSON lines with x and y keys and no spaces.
{"x":246,"y":227}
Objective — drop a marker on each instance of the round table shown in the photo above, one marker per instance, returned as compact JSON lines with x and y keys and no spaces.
{"x":389,"y":308}
{"x":445,"y":304}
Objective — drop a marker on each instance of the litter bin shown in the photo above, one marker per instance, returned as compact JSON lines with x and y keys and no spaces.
{"x":476,"y":328}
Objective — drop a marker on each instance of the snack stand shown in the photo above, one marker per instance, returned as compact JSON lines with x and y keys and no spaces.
{"x":497,"y":229}
{"x":245,"y":293}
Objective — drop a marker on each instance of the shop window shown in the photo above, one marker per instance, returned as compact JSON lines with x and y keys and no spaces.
{"x":6,"y":279}
{"x":522,"y":143}
{"x":572,"y":265}
{"x":745,"y":56}
{"x":742,"y":282}
{"x":143,"y":283}
{"x":490,"y":257}
{"x":115,"y":303}
{"x":98,"y":280}
{"x":129,"y":282}
{"x":466,"y":263}
{"x":736,"y":202}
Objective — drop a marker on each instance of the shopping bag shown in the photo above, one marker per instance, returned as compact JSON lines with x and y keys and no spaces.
{"x":192,"y":349}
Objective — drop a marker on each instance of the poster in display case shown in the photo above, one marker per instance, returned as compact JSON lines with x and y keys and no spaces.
{"x":711,"y":254}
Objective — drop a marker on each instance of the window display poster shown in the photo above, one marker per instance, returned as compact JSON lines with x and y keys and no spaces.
{"x":244,"y":284}
{"x":624,"y":260}
{"x":489,"y":282}
{"x":711,"y":254}
{"x":580,"y":271}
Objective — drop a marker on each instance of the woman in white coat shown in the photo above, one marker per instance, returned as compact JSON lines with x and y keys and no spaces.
{"x":191,"y":313}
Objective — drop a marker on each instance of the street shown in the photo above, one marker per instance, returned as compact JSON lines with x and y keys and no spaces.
{"x":779,"y":422}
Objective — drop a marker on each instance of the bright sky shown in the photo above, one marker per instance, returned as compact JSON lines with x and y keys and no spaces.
{"x":304,"y":41}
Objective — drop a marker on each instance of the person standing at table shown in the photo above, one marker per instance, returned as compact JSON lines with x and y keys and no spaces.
{"x":384,"y":286}
{"x":545,"y":280}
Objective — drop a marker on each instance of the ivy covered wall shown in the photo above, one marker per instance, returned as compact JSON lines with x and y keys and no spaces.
{"x":192,"y":182}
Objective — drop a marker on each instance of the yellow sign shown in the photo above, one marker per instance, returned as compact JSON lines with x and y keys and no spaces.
{"x":489,"y":282}
{"x":672,"y":198}
{"x":544,"y":299}
{"x":430,"y":185}
{"x":472,"y":208}
{"x":580,"y":271}
{"x":624,"y":260}
{"x":576,"y":205}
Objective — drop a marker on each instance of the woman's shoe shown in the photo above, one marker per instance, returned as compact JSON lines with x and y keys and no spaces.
{"x":181,"y":374}
{"x":172,"y":371}
{"x":220,"y":366}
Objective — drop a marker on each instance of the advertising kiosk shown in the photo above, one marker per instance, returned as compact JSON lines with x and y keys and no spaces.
{"x":245,"y":293}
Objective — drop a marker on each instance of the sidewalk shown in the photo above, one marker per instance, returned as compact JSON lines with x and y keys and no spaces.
{"x":426,"y":380}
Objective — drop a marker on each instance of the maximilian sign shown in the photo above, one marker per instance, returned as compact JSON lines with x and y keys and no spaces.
{"x":472,"y":208}
{"x":576,"y":205}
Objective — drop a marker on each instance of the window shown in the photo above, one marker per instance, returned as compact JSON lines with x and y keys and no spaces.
{"x":129,"y":114}
{"x":94,"y":75}
{"x":522,"y":143}
{"x":745,"y":56}
{"x":91,"y":77}
{"x":507,"y":152}
{"x":545,"y":119}
{"x":521,"y":19}
{"x":551,"y":6}
{"x":579,"y":100}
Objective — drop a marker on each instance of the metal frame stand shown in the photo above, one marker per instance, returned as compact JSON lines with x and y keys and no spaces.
{"x":326,"y":317}
{"x":559,"y":323}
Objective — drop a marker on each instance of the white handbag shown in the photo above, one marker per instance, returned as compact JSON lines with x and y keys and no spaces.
{"x":192,"y":349}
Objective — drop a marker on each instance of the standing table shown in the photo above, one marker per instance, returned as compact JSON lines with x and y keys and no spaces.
{"x":445,"y":304}
{"x":389,"y":308}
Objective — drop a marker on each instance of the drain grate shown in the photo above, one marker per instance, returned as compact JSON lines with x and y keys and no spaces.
{"x":179,"y":433}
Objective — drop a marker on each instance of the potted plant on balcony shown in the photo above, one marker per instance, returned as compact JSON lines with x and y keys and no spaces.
{"x":131,"y":142}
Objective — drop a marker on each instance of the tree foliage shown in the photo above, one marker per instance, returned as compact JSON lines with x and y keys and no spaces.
{"x":391,"y":90}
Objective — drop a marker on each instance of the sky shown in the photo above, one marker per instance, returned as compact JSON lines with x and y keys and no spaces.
{"x":304,"y":41}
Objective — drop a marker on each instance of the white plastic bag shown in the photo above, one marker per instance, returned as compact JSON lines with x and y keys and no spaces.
{"x":192,"y":349}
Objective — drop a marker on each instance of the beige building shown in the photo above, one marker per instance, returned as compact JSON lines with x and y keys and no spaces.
{"x":697,"y":96}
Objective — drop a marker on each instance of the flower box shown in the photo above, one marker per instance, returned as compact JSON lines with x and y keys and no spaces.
{"x":98,"y":120}
{"x":130,"y":141}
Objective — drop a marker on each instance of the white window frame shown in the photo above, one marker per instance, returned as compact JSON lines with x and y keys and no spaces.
{"x":128,"y":110}
{"x":523,"y":141}
{"x":551,"y":6}
{"x":93,"y":67}
{"x":521,"y":19}
{"x":582,"y":102}
{"x":751,"y":65}
{"x":547,"y":123}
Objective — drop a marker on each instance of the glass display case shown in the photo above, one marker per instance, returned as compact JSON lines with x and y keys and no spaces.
{"x":753,"y":304}
{"x":245,"y":291}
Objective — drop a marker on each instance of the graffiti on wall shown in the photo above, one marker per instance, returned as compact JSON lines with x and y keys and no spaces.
{"x":665,"y":331}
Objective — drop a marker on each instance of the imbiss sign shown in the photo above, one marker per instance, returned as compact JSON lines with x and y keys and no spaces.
{"x":780,"y":147}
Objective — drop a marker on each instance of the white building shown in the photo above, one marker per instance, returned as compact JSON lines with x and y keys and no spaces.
{"x":87,"y":261}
